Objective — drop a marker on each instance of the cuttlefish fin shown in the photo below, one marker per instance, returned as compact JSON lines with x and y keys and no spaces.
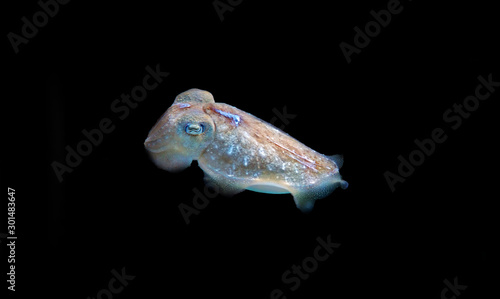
{"x":338,"y":159}
{"x":225,"y":187}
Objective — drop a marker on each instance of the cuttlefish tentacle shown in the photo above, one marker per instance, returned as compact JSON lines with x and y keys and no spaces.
{"x":239,"y":151}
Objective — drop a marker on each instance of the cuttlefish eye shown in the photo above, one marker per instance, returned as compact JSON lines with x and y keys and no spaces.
{"x":195,"y":128}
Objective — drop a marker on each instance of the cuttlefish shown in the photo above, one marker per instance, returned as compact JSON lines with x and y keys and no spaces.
{"x":239,"y":151}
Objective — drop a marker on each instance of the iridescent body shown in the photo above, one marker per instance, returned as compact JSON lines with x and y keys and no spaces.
{"x":239,"y":151}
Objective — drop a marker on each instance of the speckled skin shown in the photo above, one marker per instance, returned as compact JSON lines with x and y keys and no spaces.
{"x":239,"y":151}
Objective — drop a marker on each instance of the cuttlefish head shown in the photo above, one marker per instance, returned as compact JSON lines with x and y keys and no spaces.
{"x":183,"y":132}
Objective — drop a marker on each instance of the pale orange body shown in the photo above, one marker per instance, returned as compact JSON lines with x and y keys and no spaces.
{"x":239,"y":151}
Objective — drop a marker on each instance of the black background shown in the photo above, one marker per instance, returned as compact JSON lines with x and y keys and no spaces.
{"x":116,"y":209}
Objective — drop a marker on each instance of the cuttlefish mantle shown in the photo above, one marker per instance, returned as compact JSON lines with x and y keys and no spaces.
{"x":239,"y":151}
